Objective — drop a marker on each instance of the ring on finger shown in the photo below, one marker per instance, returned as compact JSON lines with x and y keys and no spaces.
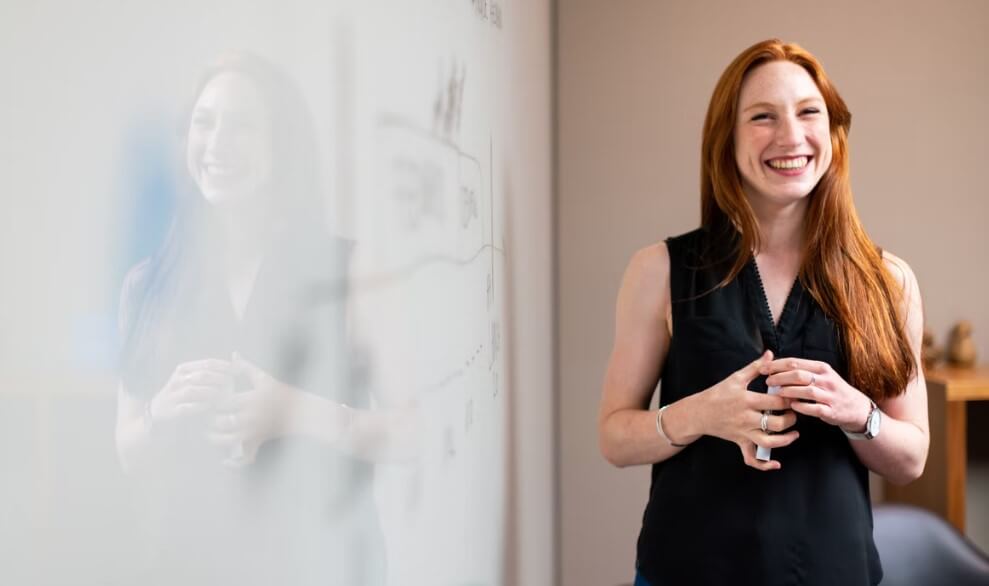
{"x":764,"y":422}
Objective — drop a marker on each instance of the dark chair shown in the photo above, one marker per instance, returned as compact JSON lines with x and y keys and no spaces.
{"x":918,"y":548}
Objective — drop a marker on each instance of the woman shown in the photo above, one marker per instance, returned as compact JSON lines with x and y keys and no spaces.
{"x":236,"y":411}
{"x":780,"y":287}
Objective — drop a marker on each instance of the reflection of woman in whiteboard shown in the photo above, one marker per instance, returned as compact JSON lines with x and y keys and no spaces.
{"x":236,"y":409}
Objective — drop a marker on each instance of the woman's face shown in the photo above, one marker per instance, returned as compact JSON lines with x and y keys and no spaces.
{"x":229,"y":151}
{"x":782,"y":137}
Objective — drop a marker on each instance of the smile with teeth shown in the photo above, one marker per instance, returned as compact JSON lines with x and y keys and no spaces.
{"x":219,"y":170}
{"x":792,"y":163}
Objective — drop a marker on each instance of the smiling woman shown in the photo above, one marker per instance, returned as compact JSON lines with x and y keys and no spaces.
{"x":782,"y":335}
{"x":229,"y":142}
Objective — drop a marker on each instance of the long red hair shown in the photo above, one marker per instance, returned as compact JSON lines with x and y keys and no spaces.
{"x":842,"y":268}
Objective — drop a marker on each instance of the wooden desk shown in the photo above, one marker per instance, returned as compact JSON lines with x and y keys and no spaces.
{"x":941,"y":489}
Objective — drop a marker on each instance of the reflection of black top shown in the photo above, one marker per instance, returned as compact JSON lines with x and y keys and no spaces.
{"x":712,"y":520}
{"x":303,"y":513}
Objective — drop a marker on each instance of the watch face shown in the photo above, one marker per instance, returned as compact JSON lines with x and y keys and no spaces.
{"x":872,"y":428}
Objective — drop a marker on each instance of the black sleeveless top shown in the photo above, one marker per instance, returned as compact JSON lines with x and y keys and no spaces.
{"x":713,"y":520}
{"x":303,"y":513}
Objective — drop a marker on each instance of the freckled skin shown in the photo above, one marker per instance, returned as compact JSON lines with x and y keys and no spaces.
{"x":781,"y":113}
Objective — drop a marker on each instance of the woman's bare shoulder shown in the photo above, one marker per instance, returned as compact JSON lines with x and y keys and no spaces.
{"x":910,"y":302}
{"x":650,"y":264}
{"x":901,"y":271}
{"x":645,"y":286}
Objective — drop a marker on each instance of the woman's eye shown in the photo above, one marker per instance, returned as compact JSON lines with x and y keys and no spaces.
{"x":810,"y":111}
{"x":762,"y":116}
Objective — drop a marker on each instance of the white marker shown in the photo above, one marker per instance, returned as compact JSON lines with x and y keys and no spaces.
{"x":762,"y":453}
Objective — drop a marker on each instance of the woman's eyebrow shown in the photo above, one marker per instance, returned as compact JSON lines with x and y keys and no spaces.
{"x":770,"y":106}
{"x":759,"y":105}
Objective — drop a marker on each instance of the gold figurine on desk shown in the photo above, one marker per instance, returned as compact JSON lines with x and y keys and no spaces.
{"x":930,"y":353}
{"x":961,"y":346}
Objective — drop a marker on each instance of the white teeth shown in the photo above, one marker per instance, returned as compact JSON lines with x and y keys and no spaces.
{"x":218,"y":169}
{"x":797,"y":163}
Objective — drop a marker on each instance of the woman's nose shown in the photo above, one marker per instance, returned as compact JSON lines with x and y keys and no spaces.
{"x":219,"y":137}
{"x":788,"y":132}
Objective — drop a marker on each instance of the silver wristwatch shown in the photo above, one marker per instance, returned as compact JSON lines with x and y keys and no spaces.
{"x":871,"y":425}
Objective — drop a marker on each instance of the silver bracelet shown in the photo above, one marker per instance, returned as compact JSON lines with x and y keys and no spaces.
{"x":350,"y":419}
{"x":659,"y":429}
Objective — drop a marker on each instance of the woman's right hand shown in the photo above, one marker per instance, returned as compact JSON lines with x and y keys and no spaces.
{"x":734,"y":413}
{"x":194,"y":388}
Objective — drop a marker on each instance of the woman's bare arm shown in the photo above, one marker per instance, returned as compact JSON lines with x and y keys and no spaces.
{"x":899,"y":452}
{"x":626,"y":427}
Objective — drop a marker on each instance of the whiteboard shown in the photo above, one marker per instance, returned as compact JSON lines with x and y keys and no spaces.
{"x":417,"y":131}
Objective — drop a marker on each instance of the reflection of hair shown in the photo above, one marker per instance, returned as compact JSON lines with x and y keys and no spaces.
{"x":842,"y":268}
{"x":177,"y":268}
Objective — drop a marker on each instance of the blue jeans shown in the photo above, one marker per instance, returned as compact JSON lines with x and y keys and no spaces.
{"x":640,"y":581}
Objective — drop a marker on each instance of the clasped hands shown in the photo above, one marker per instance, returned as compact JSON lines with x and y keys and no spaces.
{"x":808,"y":387}
{"x":239,"y":423}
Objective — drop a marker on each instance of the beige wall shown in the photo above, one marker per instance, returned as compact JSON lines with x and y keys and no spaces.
{"x":634,"y":78}
{"x":527,"y":184}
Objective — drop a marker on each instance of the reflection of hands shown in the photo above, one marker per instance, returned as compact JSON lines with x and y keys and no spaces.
{"x":194,"y":388}
{"x":245,"y":421}
{"x":820,"y":392}
{"x":735,"y":413}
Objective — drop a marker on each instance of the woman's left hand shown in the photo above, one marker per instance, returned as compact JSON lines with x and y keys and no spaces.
{"x":819,"y":392}
{"x":248,"y":419}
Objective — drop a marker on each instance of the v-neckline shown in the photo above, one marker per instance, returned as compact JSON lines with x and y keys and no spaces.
{"x":245,"y":302}
{"x":252,"y":297}
{"x":774,"y":328}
